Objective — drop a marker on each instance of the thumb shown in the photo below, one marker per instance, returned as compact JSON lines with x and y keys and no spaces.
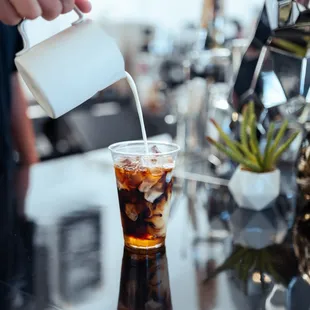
{"x":83,"y":5}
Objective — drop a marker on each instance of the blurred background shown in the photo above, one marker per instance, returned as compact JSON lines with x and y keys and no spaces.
{"x":192,"y":60}
{"x":158,"y":50}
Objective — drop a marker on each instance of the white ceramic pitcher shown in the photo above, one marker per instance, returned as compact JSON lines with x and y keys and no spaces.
{"x":69,"y":68}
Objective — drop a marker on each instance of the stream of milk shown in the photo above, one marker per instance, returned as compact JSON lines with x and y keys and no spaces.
{"x":134,"y":90}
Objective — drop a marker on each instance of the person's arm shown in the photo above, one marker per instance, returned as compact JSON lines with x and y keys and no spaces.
{"x":22,"y":127}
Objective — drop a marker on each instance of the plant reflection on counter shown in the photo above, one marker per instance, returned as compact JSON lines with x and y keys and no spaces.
{"x":263,"y":266}
{"x":262,"y":253}
{"x":144,"y":282}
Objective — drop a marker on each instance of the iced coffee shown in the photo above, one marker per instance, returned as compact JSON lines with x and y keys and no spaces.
{"x":144,"y":184}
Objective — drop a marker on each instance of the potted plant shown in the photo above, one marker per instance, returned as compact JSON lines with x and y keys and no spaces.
{"x":256,"y":181}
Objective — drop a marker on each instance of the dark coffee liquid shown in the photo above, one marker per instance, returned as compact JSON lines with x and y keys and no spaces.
{"x":144,"y":198}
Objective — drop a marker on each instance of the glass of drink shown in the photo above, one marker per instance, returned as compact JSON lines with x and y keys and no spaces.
{"x":144,"y":184}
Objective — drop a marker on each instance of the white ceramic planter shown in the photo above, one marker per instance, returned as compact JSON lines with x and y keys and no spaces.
{"x":254,"y":190}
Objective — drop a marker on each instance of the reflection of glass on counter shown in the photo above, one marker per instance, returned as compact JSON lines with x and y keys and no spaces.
{"x":144,"y":282}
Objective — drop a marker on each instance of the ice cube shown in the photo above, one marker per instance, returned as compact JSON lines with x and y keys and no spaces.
{"x":153,"y":161}
{"x":134,"y":179}
{"x":129,"y":164}
{"x":149,"y":181}
{"x":155,"y":191}
{"x":155,"y":149}
{"x":169,"y":177}
{"x":149,"y":161}
{"x":131,"y":211}
{"x":128,"y":179}
{"x":122,"y":185}
{"x":168,"y":163}
{"x":156,"y":171}
{"x":152,"y":195}
{"x":121,"y":178}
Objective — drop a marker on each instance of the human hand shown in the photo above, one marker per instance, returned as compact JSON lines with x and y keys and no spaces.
{"x":13,"y":11}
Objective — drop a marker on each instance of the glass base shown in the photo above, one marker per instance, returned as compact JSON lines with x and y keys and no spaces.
{"x":143,"y":245}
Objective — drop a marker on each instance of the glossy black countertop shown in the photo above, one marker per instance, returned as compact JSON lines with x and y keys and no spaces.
{"x":62,"y":246}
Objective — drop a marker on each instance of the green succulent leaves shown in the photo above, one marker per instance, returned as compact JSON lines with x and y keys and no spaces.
{"x":247,"y":152}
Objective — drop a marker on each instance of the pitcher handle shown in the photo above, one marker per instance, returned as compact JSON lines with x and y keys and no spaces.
{"x":22,"y":30}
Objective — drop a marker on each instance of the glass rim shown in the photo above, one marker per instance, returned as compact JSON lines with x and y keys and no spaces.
{"x":113,"y":148}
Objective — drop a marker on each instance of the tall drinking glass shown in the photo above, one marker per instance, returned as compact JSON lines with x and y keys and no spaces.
{"x":144,"y":184}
